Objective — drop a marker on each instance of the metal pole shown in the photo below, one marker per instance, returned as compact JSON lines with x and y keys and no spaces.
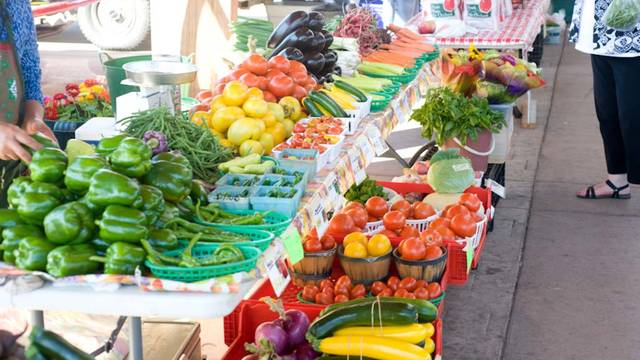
{"x":135,"y":338}
{"x":37,"y":318}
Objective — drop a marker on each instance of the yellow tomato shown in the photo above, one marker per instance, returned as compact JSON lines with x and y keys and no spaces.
{"x":255,"y":93}
{"x":429,"y":345}
{"x":259,"y":129}
{"x":241,"y":131}
{"x":224,"y":117}
{"x":266,"y":140}
{"x":269,"y":119}
{"x":291,"y":106}
{"x":355,"y":250}
{"x":355,"y":237}
{"x":277,"y":111}
{"x":216,"y":134}
{"x":251,"y":147}
{"x":234,"y":93}
{"x":255,"y":108}
{"x":217,"y":103}
{"x":226,"y":143}
{"x":288,"y":126}
{"x":279,"y":133}
{"x":378,"y":245}
{"x":200,"y":118}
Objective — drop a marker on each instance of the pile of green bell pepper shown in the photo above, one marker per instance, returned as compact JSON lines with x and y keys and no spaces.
{"x":34,"y":200}
{"x":80,"y":170}
{"x":153,"y":204}
{"x":121,"y":258}
{"x":132,"y":157}
{"x":71,"y":223}
{"x":170,"y":176}
{"x":108,"y":187}
{"x":69,"y":260}
{"x":12,"y":236}
{"x":122,"y":224}
{"x":48,"y":165}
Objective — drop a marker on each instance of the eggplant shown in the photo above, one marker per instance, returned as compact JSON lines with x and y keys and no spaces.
{"x":316,"y":45}
{"x":292,"y":53}
{"x":297,"y":39}
{"x":337,"y":70}
{"x":330,"y":59}
{"x":314,"y":62}
{"x":328,"y":40}
{"x":288,"y":25}
{"x":315,"y":21}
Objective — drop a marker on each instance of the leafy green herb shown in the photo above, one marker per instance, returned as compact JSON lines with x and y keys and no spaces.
{"x":277,"y":193}
{"x":367,"y":189}
{"x":446,"y":115}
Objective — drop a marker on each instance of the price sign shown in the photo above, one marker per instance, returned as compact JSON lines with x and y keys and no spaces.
{"x":367,"y":150}
{"x":497,"y":188}
{"x":275,"y":266}
{"x":333,"y":189}
{"x":375,"y":137}
{"x":318,"y":212}
{"x":344,"y":174}
{"x":357,"y":165}
{"x":406,"y":107}
{"x":399,"y":113}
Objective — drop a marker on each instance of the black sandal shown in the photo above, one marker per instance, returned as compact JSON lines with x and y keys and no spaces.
{"x":591,"y":192}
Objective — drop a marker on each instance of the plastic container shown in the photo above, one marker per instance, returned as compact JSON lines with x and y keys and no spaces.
{"x":290,"y":181}
{"x":365,"y":107}
{"x":262,"y":201}
{"x":275,"y":223}
{"x":238,"y":180}
{"x":502,"y":139}
{"x":205,"y":272}
{"x":292,"y":170}
{"x":270,"y":180}
{"x":423,"y":224}
{"x":373,"y":227}
{"x":115,"y":74}
{"x":259,"y":239}
{"x":239,"y":200}
{"x":309,"y":166}
{"x":553,"y":35}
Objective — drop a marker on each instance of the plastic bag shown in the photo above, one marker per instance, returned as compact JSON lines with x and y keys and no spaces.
{"x":482,"y":14}
{"x":622,"y":15}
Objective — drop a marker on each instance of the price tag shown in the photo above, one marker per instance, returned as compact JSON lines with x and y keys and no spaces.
{"x":274,"y":261}
{"x":333,"y":189}
{"x":367,"y":149}
{"x":293,"y":244}
{"x":357,"y":165}
{"x":318,"y":213}
{"x":497,"y":188}
{"x":406,"y":107}
{"x":399,"y":113}
{"x":375,"y":137}
{"x":344,"y":174}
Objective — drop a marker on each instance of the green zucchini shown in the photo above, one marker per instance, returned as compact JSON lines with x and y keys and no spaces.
{"x":351,"y":90}
{"x":328,"y":104}
{"x":427,"y":312}
{"x":395,"y":313}
{"x":311,"y":107}
{"x":54,"y":347}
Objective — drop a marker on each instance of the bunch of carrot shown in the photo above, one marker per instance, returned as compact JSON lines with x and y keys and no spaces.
{"x":403,"y":50}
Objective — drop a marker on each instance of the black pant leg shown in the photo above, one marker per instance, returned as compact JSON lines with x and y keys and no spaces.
{"x":627,"y":77}
{"x":605,"y":96}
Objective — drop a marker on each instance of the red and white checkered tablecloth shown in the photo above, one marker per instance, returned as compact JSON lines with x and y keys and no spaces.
{"x":517,"y":32}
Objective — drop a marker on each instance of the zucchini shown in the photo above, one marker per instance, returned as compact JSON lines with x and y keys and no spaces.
{"x":360,"y":315}
{"x":54,"y":347}
{"x":351,"y":90}
{"x":328,"y":104}
{"x":311,"y":107}
{"x":371,"y":346}
{"x":427,"y":312}
{"x":413,"y":333}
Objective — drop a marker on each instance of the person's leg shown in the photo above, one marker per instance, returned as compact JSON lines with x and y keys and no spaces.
{"x":627,"y":75}
{"x":606,"y":96}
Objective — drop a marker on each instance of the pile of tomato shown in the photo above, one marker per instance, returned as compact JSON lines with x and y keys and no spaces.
{"x":313,"y":244}
{"x":329,"y":292}
{"x":325,"y":125}
{"x":408,"y":287}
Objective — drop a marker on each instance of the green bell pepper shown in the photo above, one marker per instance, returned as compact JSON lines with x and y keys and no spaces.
{"x":162,"y":239}
{"x":80,"y":171}
{"x":108,"y":145}
{"x":12,"y":236}
{"x":121,"y":259}
{"x":170,"y":212}
{"x":172,"y":157}
{"x":53,"y":347}
{"x":198,"y":192}
{"x":32,"y":253}
{"x":48,"y":165}
{"x":110,"y":188}
{"x":9,"y":218}
{"x":172,"y":178}
{"x":96,"y":210}
{"x":100,"y":245}
{"x":71,"y":223}
{"x":16,"y":190}
{"x":37,"y":200}
{"x":120,"y":223}
{"x":131,"y":158}
{"x":152,"y":203}
{"x":71,"y":260}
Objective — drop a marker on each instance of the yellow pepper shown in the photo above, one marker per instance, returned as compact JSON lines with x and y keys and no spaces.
{"x":373,"y":347}
{"x":413,"y":333}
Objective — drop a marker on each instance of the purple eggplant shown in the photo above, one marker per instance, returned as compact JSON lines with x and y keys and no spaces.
{"x":314,"y":62}
{"x":292,"y":53}
{"x":316,"y":45}
{"x":328,"y":40}
{"x":305,"y":351}
{"x":275,"y":335}
{"x":330,"y":60}
{"x":288,"y":25}
{"x":315,"y":21}
{"x":298,"y":39}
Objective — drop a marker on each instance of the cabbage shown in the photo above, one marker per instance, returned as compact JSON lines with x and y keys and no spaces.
{"x":450,"y":172}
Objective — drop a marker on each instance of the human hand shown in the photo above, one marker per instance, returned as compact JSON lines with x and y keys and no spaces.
{"x":34,"y":125}
{"x":12,"y":139}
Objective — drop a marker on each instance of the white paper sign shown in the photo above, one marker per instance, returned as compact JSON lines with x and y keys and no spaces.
{"x":275,"y":266}
{"x":497,"y":188}
{"x":375,"y":136}
{"x":367,"y":149}
{"x":358,"y":168}
{"x":397,"y":109}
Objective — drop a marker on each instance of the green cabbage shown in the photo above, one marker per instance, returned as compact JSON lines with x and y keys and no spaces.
{"x":450,"y":172}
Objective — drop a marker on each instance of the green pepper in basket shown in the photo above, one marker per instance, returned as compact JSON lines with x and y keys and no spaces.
{"x":37,"y":200}
{"x":225,"y":254}
{"x":80,"y":171}
{"x":108,"y":145}
{"x":12,"y":236}
{"x":110,"y":188}
{"x":32,"y":253}
{"x":71,"y":223}
{"x":132,"y":157}
{"x":156,"y":257}
{"x":121,"y":259}
{"x":172,"y":178}
{"x":48,"y":165}
{"x":163,"y":239}
{"x":152,"y":203}
{"x":69,"y":260}
{"x":122,"y":224}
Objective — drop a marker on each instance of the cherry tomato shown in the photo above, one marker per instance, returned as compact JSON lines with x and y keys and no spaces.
{"x":403,"y":206}
{"x":421,"y":283}
{"x":377,"y":206}
{"x":422,"y":210}
{"x":455,"y":210}
{"x":401,"y":293}
{"x":434,"y":290}
{"x":341,"y":298}
{"x":344,"y":280}
{"x":340,"y":289}
{"x":470,"y":201}
{"x":326,"y":283}
{"x":358,"y":291}
{"x":323,"y":298}
{"x":309,"y":292}
{"x":412,"y":249}
{"x":421,"y":293}
{"x":328,"y":242}
{"x":431,"y":237}
{"x":408,"y":283}
{"x":394,"y":220}
{"x":377,"y":287}
{"x":440,"y":222}
{"x":392,"y":283}
{"x":312,"y":245}
{"x":387,"y":292}
{"x":433,"y":252}
{"x":408,"y":231}
{"x":359,"y":216}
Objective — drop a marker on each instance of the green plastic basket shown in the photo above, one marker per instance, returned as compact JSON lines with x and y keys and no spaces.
{"x":379,"y":105}
{"x":405,"y":78}
{"x":259,"y":238}
{"x":437,"y":300}
{"x":275,"y":223}
{"x":183,"y":274}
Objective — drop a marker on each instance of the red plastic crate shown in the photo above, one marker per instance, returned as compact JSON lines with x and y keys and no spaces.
{"x":254,"y":313}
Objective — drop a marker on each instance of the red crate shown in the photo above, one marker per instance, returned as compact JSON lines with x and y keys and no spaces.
{"x":254,"y":313}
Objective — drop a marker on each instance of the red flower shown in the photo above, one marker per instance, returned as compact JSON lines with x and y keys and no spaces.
{"x":59,"y":96}
{"x":51,"y":113}
{"x":72,"y":89}
{"x":91,"y":82}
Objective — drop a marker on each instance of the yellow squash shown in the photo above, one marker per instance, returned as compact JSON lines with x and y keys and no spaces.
{"x":413,"y":333}
{"x":373,"y":347}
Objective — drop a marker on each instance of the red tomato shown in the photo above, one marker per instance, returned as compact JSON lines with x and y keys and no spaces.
{"x":358,"y":291}
{"x":341,"y":298}
{"x":421,"y":293}
{"x":408,"y":231}
{"x":394,"y":220}
{"x":377,"y":287}
{"x":387,"y":292}
{"x":256,"y":64}
{"x":372,"y":218}
{"x":281,"y":86}
{"x":309,"y":292}
{"x":339,"y":289}
{"x":269,"y":97}
{"x":440,"y":222}
{"x":237,"y":74}
{"x":388,"y":233}
{"x":328,"y":290}
{"x":323,"y":298}
{"x":463,"y":225}
{"x":431,"y":237}
{"x":359,"y":216}
{"x":328,"y":242}
{"x":345,"y":281}
{"x":352,"y":204}
{"x":296,"y":66}
{"x":446,"y":234}
{"x":326,"y":283}
{"x":421,"y":283}
{"x":312,"y":245}
{"x":434,"y":290}
{"x":264,"y":83}
{"x":299,"y":92}
{"x":299,"y":77}
{"x":409,"y":295}
{"x":433,"y":252}
{"x":219,"y":89}
{"x":455,"y":210}
{"x":412,"y":249}
{"x":392,"y":283}
{"x":279,"y":62}
{"x":422,"y":210}
{"x":408,"y":283}
{"x":204,"y":94}
{"x":340,"y":225}
{"x":376,"y":206}
{"x":403,"y":206}
{"x":400,"y":293}
{"x":200,"y":107}
{"x":470,"y":201}
{"x":273,"y":73}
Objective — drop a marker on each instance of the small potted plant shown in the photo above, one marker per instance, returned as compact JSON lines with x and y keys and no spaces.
{"x":455,"y":121}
